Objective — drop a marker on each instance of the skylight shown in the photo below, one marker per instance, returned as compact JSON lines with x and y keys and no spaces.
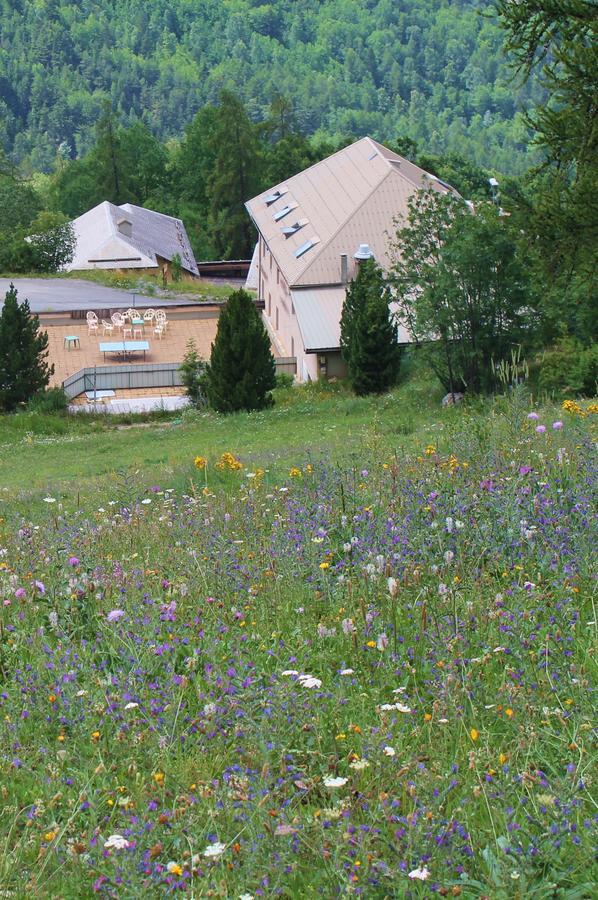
{"x":306,"y":246}
{"x":288,"y":230}
{"x":283,"y":212}
{"x":276,"y":195}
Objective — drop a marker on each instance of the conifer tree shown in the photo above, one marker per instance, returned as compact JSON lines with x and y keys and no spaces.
{"x":241,"y":372}
{"x":23,"y":353}
{"x":369,"y":332}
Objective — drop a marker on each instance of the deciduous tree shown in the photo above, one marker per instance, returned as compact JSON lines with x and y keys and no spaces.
{"x":462,"y":288}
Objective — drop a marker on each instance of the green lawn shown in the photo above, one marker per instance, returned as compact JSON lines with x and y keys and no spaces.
{"x":39,"y":451}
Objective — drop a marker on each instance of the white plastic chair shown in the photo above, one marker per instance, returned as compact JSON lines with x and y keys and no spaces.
{"x":159,"y":330}
{"x":117,"y":320}
{"x":107,"y":326}
{"x":92,"y":321}
{"x":148,"y":315}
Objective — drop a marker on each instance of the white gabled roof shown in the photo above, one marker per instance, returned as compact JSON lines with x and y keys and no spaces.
{"x":350,"y":198}
{"x":129,"y":237}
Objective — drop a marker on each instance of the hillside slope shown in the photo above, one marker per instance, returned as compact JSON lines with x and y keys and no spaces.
{"x":433,"y":71}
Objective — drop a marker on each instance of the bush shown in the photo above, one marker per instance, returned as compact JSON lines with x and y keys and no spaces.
{"x":569,"y":368}
{"x":285,"y":380}
{"x":193,"y":374}
{"x":53,"y":400}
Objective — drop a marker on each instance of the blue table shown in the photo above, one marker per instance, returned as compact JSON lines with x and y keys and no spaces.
{"x":124,"y":348}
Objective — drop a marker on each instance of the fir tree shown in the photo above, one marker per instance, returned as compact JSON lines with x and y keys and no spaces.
{"x":23,"y":353}
{"x":369,"y":333}
{"x":241,"y":372}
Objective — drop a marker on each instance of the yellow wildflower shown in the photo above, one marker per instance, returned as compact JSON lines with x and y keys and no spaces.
{"x":474,"y":734}
{"x":200,"y":462}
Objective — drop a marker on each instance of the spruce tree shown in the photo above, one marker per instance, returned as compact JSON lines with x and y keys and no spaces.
{"x":23,"y":353}
{"x":369,"y":332}
{"x":241,"y":372}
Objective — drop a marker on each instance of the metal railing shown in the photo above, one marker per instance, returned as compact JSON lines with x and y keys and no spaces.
{"x":140,"y":375}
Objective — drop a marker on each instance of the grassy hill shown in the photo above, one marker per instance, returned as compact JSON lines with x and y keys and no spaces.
{"x":430,"y":71}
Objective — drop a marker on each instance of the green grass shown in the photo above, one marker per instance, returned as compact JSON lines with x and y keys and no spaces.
{"x":144,"y":284}
{"x":325,"y":420}
{"x":431,"y":570}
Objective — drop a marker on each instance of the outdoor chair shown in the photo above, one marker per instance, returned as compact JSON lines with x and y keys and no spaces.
{"x":137,"y":333}
{"x":148,"y":315}
{"x":107,"y":326}
{"x":117,"y":320}
{"x":92,"y":321}
{"x":159,"y":330}
{"x":127,"y":332}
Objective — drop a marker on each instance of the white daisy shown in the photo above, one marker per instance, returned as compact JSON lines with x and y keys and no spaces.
{"x":212,"y":851}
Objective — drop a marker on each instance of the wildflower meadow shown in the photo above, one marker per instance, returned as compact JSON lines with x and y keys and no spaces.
{"x":363,"y":675}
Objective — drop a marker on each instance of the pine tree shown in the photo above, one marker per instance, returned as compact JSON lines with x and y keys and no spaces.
{"x":369,"y":333}
{"x":23,"y":353}
{"x":241,"y":372}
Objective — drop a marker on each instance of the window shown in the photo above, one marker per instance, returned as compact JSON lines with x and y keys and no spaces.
{"x":288,"y":230}
{"x":283,"y":212}
{"x":274,"y":196}
{"x":306,"y":246}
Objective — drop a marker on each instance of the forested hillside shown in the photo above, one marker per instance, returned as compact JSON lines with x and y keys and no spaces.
{"x":431,"y":70}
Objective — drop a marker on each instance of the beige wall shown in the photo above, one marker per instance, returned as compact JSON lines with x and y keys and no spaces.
{"x":274,"y":291}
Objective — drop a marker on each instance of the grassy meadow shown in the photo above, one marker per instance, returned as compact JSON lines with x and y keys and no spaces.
{"x":340,"y":648}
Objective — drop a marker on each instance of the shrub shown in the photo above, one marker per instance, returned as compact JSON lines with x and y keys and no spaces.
{"x":193,"y":375}
{"x":53,"y":400}
{"x":569,"y":368}
{"x":284,"y":380}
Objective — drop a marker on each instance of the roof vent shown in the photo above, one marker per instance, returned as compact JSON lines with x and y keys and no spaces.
{"x":364,"y":252}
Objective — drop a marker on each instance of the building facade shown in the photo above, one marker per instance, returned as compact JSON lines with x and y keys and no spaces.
{"x":313,"y":231}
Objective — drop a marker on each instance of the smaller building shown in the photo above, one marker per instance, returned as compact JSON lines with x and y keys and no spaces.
{"x":314,"y":230}
{"x":130,"y":238}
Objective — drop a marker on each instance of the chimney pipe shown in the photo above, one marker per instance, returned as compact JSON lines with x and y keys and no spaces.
{"x":344,"y":268}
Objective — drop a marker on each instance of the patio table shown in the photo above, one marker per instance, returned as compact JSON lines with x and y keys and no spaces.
{"x":124,"y":348}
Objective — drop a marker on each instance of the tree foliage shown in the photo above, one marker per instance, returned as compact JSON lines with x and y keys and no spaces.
{"x":560,"y":214}
{"x":23,"y":353}
{"x":369,"y":332}
{"x":241,"y":372}
{"x":432,"y":71}
{"x":462,"y":289}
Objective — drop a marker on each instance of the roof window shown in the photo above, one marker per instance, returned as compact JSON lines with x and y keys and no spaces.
{"x":306,"y":246}
{"x":276,"y":195}
{"x":288,"y":230}
{"x":283,"y":212}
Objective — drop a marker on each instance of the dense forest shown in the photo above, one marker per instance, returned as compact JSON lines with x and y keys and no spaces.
{"x":431,"y":71}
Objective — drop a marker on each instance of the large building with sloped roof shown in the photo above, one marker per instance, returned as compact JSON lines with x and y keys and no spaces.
{"x":127,"y":238}
{"x":314,"y":229}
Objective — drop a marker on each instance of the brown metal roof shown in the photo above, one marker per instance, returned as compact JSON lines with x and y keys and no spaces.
{"x":349,"y":198}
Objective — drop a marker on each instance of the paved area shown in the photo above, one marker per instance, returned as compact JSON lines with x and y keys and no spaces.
{"x":132,"y":405}
{"x":171,"y":348}
{"x":59,"y":294}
